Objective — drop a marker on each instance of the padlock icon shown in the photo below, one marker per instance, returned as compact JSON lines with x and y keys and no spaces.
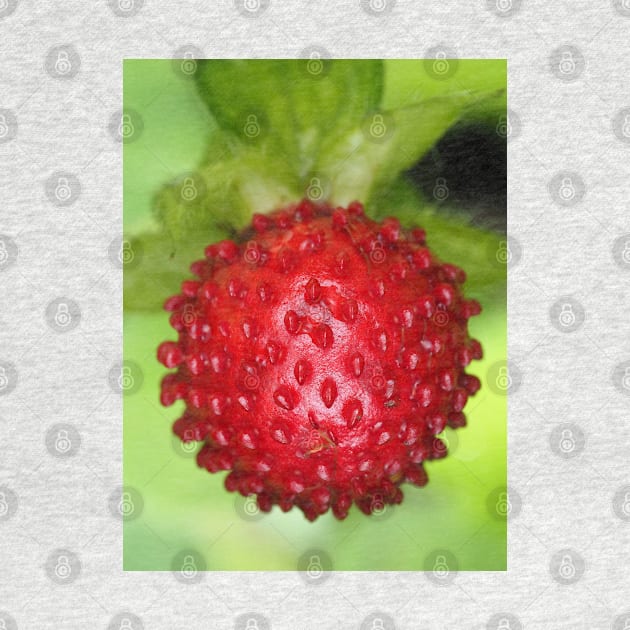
{"x":504,"y":5}
{"x":188,"y":445}
{"x":504,"y":128}
{"x":625,"y":381}
{"x":567,"y":316}
{"x":567,"y":568}
{"x":567,"y":63}
{"x":625,"y":128}
{"x":63,"y":570}
{"x":378,"y":5}
{"x":378,"y":255}
{"x":4,"y":254}
{"x":315,"y":191}
{"x":189,"y":63}
{"x":125,"y":253}
{"x":440,"y":445}
{"x":440,"y":191}
{"x":4,"y":506}
{"x":315,"y":65}
{"x":567,"y":189}
{"x":504,"y":255}
{"x":62,"y":442}
{"x":252,"y":5}
{"x":504,"y":624}
{"x":189,"y":316}
{"x":377,"y":624}
{"x":251,"y":128}
{"x":125,"y":5}
{"x":504,"y":380}
{"x":4,"y":128}
{"x":378,"y":505}
{"x":4,"y":379}
{"x":314,"y":569}
{"x":567,"y":441}
{"x":63,"y":192}
{"x":440,"y":568}
{"x":503,"y":505}
{"x":126,"y":127}
{"x":125,"y":624}
{"x":314,"y":441}
{"x":251,"y":624}
{"x":125,"y":505}
{"x":625,"y":254}
{"x":125,"y":379}
{"x":444,"y":442}
{"x":440,"y":63}
{"x":62,"y":316}
{"x":189,"y":190}
{"x":251,"y":506}
{"x":378,"y":128}
{"x":189,"y":568}
{"x":62,"y":64}
{"x":625,"y":506}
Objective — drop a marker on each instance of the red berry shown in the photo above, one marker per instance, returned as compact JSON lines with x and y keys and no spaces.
{"x":318,"y":355}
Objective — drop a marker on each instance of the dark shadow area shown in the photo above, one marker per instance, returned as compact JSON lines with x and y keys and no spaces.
{"x":471,"y":161}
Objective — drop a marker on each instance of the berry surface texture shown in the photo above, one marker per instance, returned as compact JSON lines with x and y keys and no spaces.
{"x":319,"y":356}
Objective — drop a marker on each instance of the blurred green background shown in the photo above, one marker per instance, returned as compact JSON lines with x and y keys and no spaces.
{"x":185,"y":508}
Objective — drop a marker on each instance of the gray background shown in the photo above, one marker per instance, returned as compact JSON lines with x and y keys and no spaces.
{"x":565,"y":125}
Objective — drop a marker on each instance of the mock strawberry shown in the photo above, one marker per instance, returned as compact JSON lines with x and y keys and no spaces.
{"x":318,"y":357}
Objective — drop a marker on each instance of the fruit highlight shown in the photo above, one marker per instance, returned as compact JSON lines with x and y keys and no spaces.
{"x":318,"y":356}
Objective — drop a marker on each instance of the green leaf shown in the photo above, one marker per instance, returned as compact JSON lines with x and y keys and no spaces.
{"x":290,"y":106}
{"x":391,"y":141}
{"x":160,"y":263}
{"x":176,"y":129}
{"x":300,"y":131}
{"x":451,"y":237}
{"x":410,"y":81}
{"x":226,"y":190}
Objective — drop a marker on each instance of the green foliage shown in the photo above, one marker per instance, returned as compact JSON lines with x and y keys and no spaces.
{"x":288,"y":106}
{"x":362,"y":165}
{"x":407,"y":82}
{"x":281,"y":128}
{"x":162,"y":262}
{"x":451,"y":238}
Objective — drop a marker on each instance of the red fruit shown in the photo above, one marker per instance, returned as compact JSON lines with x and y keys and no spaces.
{"x":319,"y":370}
